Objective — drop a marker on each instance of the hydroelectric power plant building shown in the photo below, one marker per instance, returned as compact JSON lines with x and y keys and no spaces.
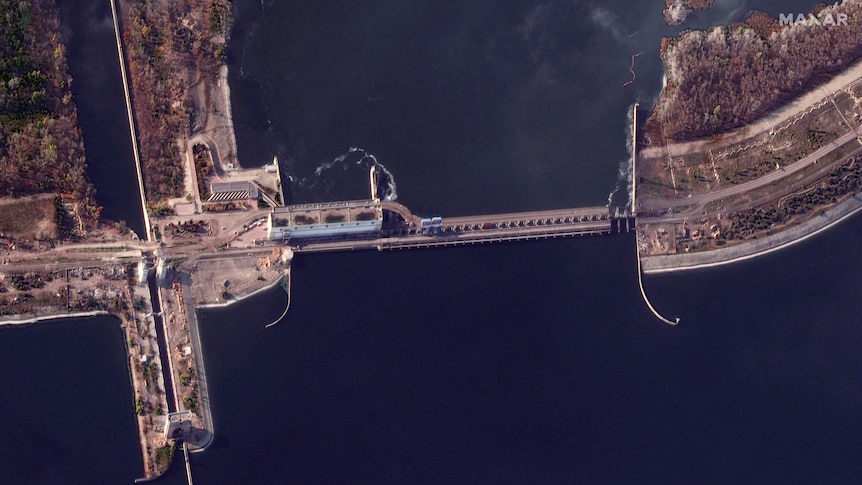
{"x":325,"y":220}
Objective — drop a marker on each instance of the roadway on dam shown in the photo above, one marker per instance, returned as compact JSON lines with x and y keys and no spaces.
{"x":479,"y":229}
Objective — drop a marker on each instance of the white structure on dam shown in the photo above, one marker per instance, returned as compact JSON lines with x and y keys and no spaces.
{"x":327,"y":219}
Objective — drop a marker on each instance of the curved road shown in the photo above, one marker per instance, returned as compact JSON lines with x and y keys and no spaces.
{"x":401,"y":210}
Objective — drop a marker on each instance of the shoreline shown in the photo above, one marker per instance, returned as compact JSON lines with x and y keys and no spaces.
{"x":755,"y":248}
{"x":139,"y":344}
{"x":60,"y":316}
{"x":289,"y":298}
{"x":188,"y":311}
{"x":205,"y":414}
{"x":223,"y":85}
{"x":270,"y":286}
{"x":767,"y":122}
{"x":213,"y":124}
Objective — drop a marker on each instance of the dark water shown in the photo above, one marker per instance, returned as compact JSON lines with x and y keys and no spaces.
{"x":91,"y":49}
{"x":474,"y":107}
{"x":525,"y":363}
{"x":515,"y":363}
{"x":66,"y":410}
{"x":538,"y":363}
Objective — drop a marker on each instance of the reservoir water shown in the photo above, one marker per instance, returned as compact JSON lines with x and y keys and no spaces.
{"x":67,"y":404}
{"x":474,"y":108}
{"x":534,"y":362}
{"x":538,"y":363}
{"x":523,"y":363}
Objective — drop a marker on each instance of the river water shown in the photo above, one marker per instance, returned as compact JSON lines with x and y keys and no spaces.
{"x":527,"y":362}
{"x":67,"y":404}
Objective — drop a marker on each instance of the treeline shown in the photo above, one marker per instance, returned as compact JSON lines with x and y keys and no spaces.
{"x":169,"y":45}
{"x":844,"y":180}
{"x":41,"y":148}
{"x":726,"y":77}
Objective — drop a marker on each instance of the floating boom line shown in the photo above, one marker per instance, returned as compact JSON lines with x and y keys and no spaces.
{"x":655,"y":312}
{"x":632,"y":69}
{"x":286,"y":289}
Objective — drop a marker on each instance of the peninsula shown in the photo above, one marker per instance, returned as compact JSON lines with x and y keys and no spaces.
{"x":756,"y":154}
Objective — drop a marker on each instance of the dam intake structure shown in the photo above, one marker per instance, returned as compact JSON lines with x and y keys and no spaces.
{"x":382,"y":225}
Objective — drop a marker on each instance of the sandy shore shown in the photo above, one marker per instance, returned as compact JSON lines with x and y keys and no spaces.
{"x":213,"y":123}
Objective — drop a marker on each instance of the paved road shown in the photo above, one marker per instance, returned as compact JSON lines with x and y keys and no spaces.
{"x":75,"y":256}
{"x":699,"y":200}
{"x":595,"y":220}
{"x":461,"y":238}
{"x":401,"y":210}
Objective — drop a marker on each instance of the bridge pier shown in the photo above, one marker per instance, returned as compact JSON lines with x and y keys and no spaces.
{"x":621,"y":222}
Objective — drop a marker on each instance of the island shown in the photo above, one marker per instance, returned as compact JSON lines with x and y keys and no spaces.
{"x":679,"y":10}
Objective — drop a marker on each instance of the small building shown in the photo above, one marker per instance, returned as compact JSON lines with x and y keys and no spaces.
{"x":178,"y":425}
{"x":142,"y":272}
{"x":273,"y":167}
{"x":325,"y":220}
{"x":225,"y":192}
{"x":161,"y":271}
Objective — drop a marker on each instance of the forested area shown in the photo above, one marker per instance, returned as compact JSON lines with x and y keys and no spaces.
{"x":726,"y":77}
{"x":170,"y":45}
{"x":41,"y":148}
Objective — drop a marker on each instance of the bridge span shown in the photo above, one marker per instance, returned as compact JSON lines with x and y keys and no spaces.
{"x":402,"y":229}
{"x":512,"y":220}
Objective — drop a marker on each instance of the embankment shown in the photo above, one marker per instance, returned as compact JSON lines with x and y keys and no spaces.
{"x":133,"y":131}
{"x":755,"y":248}
{"x":13,"y":320}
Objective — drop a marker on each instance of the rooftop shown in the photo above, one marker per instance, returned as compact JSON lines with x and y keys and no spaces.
{"x":328,"y":213}
{"x":230,"y":191}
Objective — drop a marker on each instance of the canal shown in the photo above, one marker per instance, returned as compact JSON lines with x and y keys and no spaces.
{"x":92,"y":55}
